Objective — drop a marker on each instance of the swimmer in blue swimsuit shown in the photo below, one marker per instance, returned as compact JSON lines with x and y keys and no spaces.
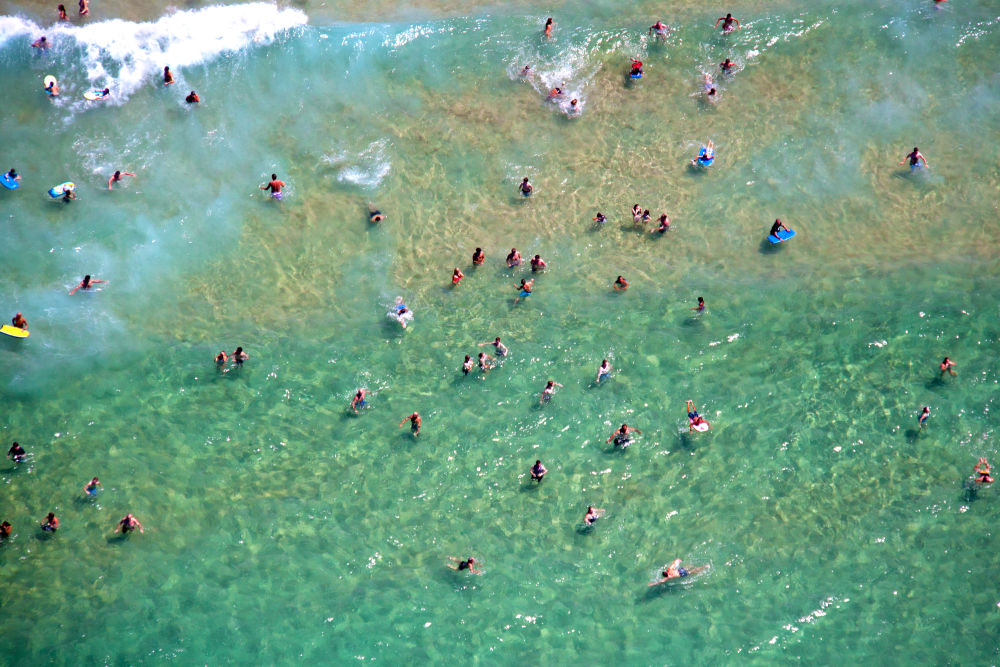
{"x":604,"y":372}
{"x":525,"y":187}
{"x":91,"y":487}
{"x":924,"y":415}
{"x":525,"y":288}
{"x":675,"y":571}
{"x":915,"y":157}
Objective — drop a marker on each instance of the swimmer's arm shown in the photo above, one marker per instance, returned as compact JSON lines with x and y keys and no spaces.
{"x":664,"y":580}
{"x":72,"y":291}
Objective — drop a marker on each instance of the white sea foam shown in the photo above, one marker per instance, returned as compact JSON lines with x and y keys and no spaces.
{"x":124,"y":56}
{"x":366,"y":168}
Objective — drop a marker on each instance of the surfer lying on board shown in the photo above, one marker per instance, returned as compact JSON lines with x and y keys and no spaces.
{"x":778,"y":225}
{"x":86,"y":283}
{"x":694,"y":419}
{"x":675,"y":571}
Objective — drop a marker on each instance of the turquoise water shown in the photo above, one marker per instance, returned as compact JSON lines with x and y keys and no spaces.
{"x":282,"y":528}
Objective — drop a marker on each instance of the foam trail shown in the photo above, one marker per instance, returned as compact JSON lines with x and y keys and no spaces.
{"x":124,"y":56}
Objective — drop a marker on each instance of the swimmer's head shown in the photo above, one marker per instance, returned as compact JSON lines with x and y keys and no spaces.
{"x":729,"y":16}
{"x":712,"y":91}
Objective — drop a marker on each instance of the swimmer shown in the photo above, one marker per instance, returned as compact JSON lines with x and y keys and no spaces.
{"x":513,"y":258}
{"x":538,"y":264}
{"x":359,"y":400}
{"x":711,"y":95}
{"x":701,"y":304}
{"x":644,"y":218}
{"x":5,"y":530}
{"x":239,"y":356}
{"x":128,"y":524}
{"x":660,"y":29}
{"x":915,"y":157}
{"x":664,"y":225}
{"x":456,"y":276}
{"x":414,"y":420}
{"x":168,"y":78}
{"x":620,"y":284}
{"x":983,"y":470}
{"x":68,"y":194}
{"x":621,"y":436}
{"x":41,"y":43}
{"x":707,"y":154}
{"x":192,"y":98}
{"x":401,"y":313}
{"x":726,"y":66}
{"x":485,"y":362}
{"x":694,"y":419}
{"x":16,"y":453}
{"x":375,"y":215}
{"x":776,"y":227}
{"x":550,"y":388}
{"x":469,"y":564}
{"x":221,"y":359}
{"x":574,"y":106}
{"x":274,"y":186}
{"x":478,"y":257}
{"x":117,"y":176}
{"x":555,"y":93}
{"x":13,"y":175}
{"x":525,"y":187}
{"x":924,"y":416}
{"x":84,"y":8}
{"x":526,"y":71}
{"x":548,"y":27}
{"x":90,"y":488}
{"x":62,"y":13}
{"x":604,"y":372}
{"x":600,"y":218}
{"x":500,"y":347}
{"x":592,"y":515}
{"x":86,"y":284}
{"x":51,"y":523}
{"x":467,"y":365}
{"x":636,"y":70}
{"x":52,"y":89}
{"x":727,"y":23}
{"x":19,"y":321}
{"x":675,"y":571}
{"x":524,"y":289}
{"x":946,"y":366}
{"x":538,"y":471}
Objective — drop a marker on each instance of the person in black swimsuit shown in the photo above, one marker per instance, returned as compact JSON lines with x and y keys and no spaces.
{"x":468,"y":564}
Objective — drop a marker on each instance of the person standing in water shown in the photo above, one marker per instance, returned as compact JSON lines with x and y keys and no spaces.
{"x":592,"y":515}
{"x":500,"y":347}
{"x":359,"y":400}
{"x":84,"y":7}
{"x":467,"y":365}
{"x":62,"y":13}
{"x":168,"y":78}
{"x":5,"y":530}
{"x":16,"y":453}
{"x":660,"y":29}
{"x":19,"y":321}
{"x":548,"y":27}
{"x":456,"y":276}
{"x":524,"y":289}
{"x":128,"y":524}
{"x":550,"y":388}
{"x":604,"y":372}
{"x":478,"y":257}
{"x":600,"y":219}
{"x":239,"y":356}
{"x":946,"y":366}
{"x":525,"y":187}
{"x":51,"y":523}
{"x":86,"y":284}
{"x":513,"y":258}
{"x":924,"y":416}
{"x":538,"y":471}
{"x":622,"y":436}
{"x":776,"y":227}
{"x":91,"y":488}
{"x":636,"y":70}
{"x":620,"y":284}
{"x":538,"y":264}
{"x":727,"y":23}
{"x":663,"y":227}
{"x":117,"y":176}
{"x":485,"y":362}
{"x":915,"y":157}
{"x":701,"y":305}
{"x":414,"y":420}
{"x":726,"y":66}
{"x":274,"y":186}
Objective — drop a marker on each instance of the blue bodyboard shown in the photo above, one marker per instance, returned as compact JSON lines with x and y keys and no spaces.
{"x":782,"y":235}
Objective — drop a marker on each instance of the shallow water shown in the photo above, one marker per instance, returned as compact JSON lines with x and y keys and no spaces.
{"x":279,"y":526}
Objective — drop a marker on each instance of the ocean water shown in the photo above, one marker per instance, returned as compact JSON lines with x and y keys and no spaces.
{"x":281,"y":528}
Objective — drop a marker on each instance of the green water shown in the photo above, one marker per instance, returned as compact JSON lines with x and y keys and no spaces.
{"x":281,"y":528}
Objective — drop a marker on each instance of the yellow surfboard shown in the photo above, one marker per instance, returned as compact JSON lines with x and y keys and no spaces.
{"x":14,"y":331}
